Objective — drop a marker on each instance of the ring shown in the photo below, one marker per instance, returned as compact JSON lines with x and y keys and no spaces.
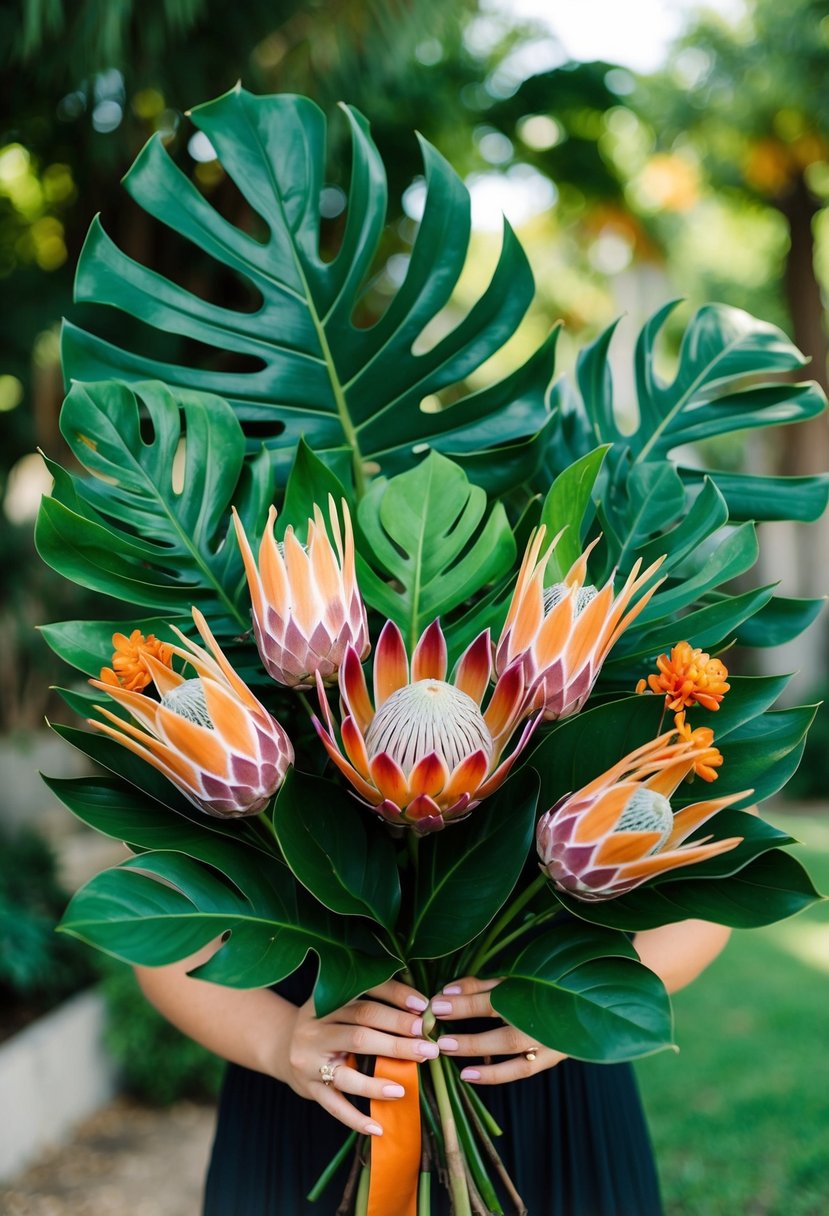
{"x":530,"y":1054}
{"x":327,"y":1071}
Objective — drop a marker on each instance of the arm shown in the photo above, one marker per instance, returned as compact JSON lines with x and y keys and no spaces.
{"x":677,"y":953}
{"x":259,"y":1029}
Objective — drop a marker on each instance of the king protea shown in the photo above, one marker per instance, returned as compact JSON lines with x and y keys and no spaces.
{"x":620,"y":830}
{"x":208,"y":735}
{"x":562,"y":634}
{"x":424,"y":752}
{"x":306,"y":603}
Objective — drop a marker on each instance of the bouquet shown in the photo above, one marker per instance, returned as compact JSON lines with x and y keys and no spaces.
{"x":424,"y":692}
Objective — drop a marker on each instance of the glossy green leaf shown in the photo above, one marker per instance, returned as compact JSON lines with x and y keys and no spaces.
{"x":310,"y":483}
{"x":163,"y":906}
{"x":569,"y":506}
{"x":762,"y":754}
{"x":316,"y":373}
{"x":586,"y":995}
{"x":750,"y":496}
{"x":87,"y":645}
{"x":466,"y":873}
{"x":338,"y":850}
{"x":427,"y":529}
{"x":133,"y":529}
{"x":780,"y":621}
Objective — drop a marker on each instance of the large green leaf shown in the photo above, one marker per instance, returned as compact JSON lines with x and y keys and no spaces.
{"x":162,"y":906}
{"x":132,"y":529}
{"x":87,"y":645}
{"x":569,"y":506}
{"x":587,"y":995}
{"x":343,"y":854}
{"x":317,"y":373}
{"x":426,"y":530}
{"x":467,"y":872}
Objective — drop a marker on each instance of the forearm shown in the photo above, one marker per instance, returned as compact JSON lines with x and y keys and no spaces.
{"x":679,"y":953}
{"x":251,"y":1027}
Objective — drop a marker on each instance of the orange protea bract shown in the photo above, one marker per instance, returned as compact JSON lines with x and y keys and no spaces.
{"x":424,"y":752}
{"x":129,"y":668}
{"x":306,"y":603}
{"x":690,"y":677}
{"x":709,"y":761}
{"x":562,"y":634}
{"x":208,"y":735}
{"x":620,"y":830}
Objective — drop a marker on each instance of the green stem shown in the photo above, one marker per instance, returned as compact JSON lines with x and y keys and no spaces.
{"x":519,"y":932}
{"x":509,"y":913}
{"x":474,"y":1162}
{"x":469,"y":1098}
{"x":454,"y":1160}
{"x":361,"y":1205}
{"x":331,"y":1169}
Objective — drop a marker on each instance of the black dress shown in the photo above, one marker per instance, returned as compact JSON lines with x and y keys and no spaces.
{"x":575,"y":1142}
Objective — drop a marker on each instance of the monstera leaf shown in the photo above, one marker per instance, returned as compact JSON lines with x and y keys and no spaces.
{"x":317,"y":374}
{"x":130,"y":530}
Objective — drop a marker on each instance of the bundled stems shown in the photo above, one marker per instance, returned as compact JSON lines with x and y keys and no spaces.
{"x":466,"y":1097}
{"x":509,"y":913}
{"x":458,"y":1187}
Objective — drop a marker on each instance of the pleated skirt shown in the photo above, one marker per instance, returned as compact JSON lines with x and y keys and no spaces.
{"x":575,"y":1142}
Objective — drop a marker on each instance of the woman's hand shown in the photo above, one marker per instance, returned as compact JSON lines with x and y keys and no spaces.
{"x":386,"y":1021}
{"x":469,"y":998}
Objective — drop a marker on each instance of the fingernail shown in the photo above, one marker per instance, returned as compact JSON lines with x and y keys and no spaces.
{"x":417,"y":1027}
{"x":452,"y":990}
{"x":470,"y":1074}
{"x":374,"y":1129}
{"x":393,"y":1091}
{"x":441,"y":1007}
{"x":417,"y":1003}
{"x":447,"y":1043}
{"x":429,"y":1051}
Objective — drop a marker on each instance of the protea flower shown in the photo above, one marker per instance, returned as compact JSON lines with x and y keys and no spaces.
{"x":620,"y":830}
{"x":306,"y":603}
{"x":209,"y":735}
{"x":424,"y":753}
{"x":562,"y":634}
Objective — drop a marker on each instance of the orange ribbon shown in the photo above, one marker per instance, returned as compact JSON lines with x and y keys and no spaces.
{"x":395,"y":1156}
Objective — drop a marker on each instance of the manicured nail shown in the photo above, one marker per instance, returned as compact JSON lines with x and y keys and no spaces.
{"x":393,"y":1091}
{"x":417,"y":1027}
{"x":452,"y":990}
{"x":441,"y":1007}
{"x":447,"y":1043}
{"x":429,"y":1051}
{"x":417,"y":1003}
{"x":470,"y":1074}
{"x":374,"y":1129}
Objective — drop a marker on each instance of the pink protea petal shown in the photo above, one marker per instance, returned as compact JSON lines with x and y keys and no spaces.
{"x":199,"y":744}
{"x":355,"y":691}
{"x":466,"y":778}
{"x":691,"y":817}
{"x":236,"y":683}
{"x":164,"y":678}
{"x":502,"y":771}
{"x":506,"y":701}
{"x":367,"y":791}
{"x":475,"y":668}
{"x":619,"y":847}
{"x":251,"y":573}
{"x":173,"y":765}
{"x":605,"y":812}
{"x":355,"y":746}
{"x":231,"y":720}
{"x":389,"y":778}
{"x":430,"y":658}
{"x":422,"y":808}
{"x":391,"y":666}
{"x":688,"y":855}
{"x":428,"y":776}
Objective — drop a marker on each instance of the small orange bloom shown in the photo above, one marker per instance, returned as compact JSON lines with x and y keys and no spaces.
{"x":129,"y":667}
{"x":703,"y":736}
{"x":689,"y":677}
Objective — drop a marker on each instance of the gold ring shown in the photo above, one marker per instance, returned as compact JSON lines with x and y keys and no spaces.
{"x":327,"y":1071}
{"x":530,"y":1054}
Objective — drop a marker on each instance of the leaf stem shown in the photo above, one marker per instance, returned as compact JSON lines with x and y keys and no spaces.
{"x":458,"y":1188}
{"x":509,"y":913}
{"x":519,"y":932}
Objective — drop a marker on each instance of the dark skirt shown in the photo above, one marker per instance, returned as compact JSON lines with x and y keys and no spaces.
{"x":575,"y":1142}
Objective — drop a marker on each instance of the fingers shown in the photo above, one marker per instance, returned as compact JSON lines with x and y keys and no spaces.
{"x":379,"y":1017}
{"x":503,"y":1041}
{"x":394,"y":992}
{"x":366,"y":1041}
{"x":336,"y":1104}
{"x":517,"y":1068}
{"x":350,"y":1081}
{"x":465,"y":999}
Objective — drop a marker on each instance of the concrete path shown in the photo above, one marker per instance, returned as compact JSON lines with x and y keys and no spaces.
{"x":126,"y":1160}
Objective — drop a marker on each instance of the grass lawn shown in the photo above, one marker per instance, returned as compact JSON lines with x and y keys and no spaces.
{"x":740,"y":1117}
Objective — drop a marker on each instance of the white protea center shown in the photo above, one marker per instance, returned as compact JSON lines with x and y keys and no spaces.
{"x":555,"y":593}
{"x":189,"y":701}
{"x":428,"y":716}
{"x":647,"y":811}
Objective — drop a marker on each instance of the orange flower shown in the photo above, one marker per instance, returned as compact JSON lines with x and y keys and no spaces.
{"x":129,"y":665}
{"x":689,"y":677}
{"x":702,"y":737}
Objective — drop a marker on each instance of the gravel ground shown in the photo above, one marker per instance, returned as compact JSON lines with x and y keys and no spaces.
{"x":126,"y":1160}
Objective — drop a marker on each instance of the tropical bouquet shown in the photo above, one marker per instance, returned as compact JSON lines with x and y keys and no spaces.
{"x":425,"y":692}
